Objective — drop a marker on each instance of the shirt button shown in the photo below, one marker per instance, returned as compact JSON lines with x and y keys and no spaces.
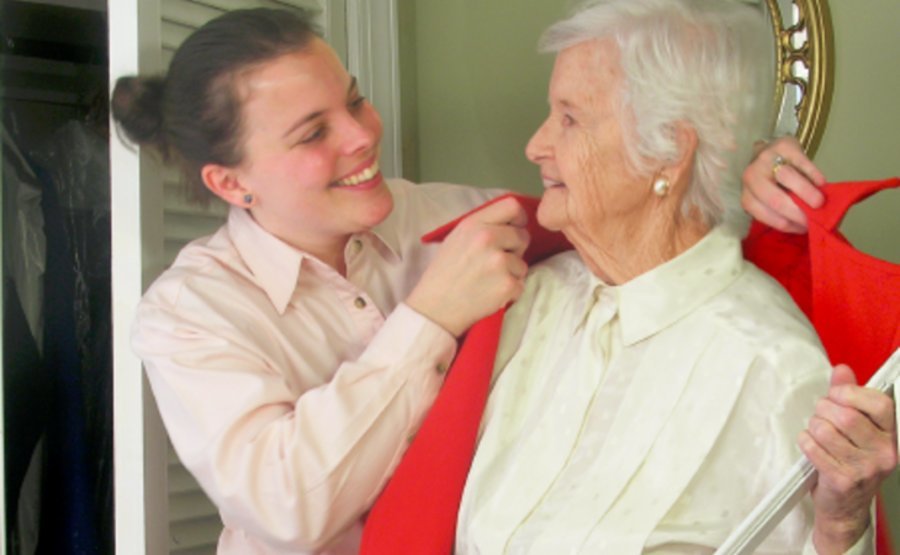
{"x":356,"y":246}
{"x":359,"y":302}
{"x":441,"y":368}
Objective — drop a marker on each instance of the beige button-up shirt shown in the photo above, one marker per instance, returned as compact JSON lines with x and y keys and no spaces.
{"x":289,"y":391}
{"x":649,"y":417}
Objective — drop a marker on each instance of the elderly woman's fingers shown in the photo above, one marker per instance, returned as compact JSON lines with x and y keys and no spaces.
{"x":874,"y":405}
{"x":877,"y":406}
{"x":850,"y":474}
{"x":843,"y":490}
{"x":781,"y":166}
{"x":792,"y":152}
{"x":772,"y":217}
{"x":793,"y":178}
{"x":842,"y":494}
{"x":858,"y":428}
{"x":853,"y":432}
{"x":851,"y":440}
{"x":822,"y":458}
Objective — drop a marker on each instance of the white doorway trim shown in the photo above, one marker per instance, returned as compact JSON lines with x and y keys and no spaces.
{"x":373,"y":57}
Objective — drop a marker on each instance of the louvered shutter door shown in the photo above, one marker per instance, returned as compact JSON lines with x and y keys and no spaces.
{"x":194,"y":523}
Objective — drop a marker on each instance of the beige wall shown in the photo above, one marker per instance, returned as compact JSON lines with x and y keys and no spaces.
{"x":476,"y":89}
{"x":480,"y":88}
{"x":862,"y":137}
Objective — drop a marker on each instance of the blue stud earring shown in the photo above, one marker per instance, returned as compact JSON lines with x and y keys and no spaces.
{"x":248,"y":199}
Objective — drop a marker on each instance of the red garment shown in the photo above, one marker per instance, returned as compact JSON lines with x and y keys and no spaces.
{"x":851,"y":298}
{"x":416,"y":513}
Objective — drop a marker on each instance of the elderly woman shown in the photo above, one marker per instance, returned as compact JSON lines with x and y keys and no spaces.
{"x":652,"y":384}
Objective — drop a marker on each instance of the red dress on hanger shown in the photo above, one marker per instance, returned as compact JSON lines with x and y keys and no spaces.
{"x":851,"y":298}
{"x":840,"y":289}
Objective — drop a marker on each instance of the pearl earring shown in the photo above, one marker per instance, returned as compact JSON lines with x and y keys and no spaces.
{"x":661,"y":186}
{"x":248,"y":199}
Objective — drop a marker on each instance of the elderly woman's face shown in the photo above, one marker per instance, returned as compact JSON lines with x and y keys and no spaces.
{"x":589,"y":185}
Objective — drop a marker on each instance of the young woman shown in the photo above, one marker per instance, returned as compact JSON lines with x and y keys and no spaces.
{"x":294,"y":352}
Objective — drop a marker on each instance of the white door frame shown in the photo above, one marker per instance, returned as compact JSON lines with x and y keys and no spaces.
{"x":373,"y":57}
{"x":139,"y":441}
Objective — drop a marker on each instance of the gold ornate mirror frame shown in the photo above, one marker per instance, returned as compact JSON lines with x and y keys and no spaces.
{"x":804,"y":67}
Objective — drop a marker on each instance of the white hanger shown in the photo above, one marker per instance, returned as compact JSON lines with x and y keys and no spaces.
{"x":744,"y":539}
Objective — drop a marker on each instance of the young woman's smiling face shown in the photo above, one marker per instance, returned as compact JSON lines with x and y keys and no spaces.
{"x":310,"y":154}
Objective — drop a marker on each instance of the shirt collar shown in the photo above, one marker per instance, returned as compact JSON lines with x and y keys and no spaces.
{"x":598,"y":292}
{"x":387,"y":238}
{"x":274,"y":263}
{"x":657,"y":299}
{"x":277,"y":265}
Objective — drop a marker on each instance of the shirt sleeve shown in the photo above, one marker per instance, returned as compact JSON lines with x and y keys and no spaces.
{"x":788,"y":418}
{"x":294,"y":468}
{"x":865,"y":545}
{"x":795,"y":373}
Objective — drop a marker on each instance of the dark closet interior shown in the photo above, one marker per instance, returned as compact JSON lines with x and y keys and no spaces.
{"x":57,"y":336}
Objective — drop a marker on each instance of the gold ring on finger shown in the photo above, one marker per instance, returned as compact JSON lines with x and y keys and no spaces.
{"x":777,"y":163}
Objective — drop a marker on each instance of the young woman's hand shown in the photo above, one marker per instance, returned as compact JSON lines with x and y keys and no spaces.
{"x":478,"y":269}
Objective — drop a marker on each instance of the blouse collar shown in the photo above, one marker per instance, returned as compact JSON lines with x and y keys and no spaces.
{"x":277,"y":265}
{"x":657,"y":299}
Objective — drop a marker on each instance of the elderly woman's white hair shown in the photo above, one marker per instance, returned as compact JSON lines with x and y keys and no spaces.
{"x":707,"y":63}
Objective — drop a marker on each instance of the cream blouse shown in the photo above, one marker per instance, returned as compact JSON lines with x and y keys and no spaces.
{"x":648,"y":417}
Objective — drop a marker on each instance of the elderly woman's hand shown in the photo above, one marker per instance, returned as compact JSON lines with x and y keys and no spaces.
{"x":779,"y":167}
{"x":852,"y":442}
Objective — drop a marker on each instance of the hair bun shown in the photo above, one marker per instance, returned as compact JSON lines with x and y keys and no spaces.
{"x":136,"y":106}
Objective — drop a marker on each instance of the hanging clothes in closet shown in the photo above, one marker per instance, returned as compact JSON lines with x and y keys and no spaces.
{"x":25,"y":379}
{"x":59,"y":426}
